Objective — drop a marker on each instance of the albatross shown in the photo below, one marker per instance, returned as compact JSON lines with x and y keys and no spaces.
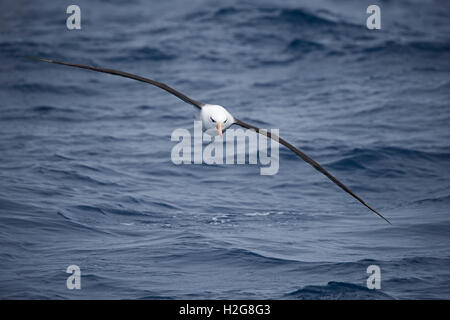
{"x":216,"y":119}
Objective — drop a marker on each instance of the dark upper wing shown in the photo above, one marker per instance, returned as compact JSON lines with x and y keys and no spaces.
{"x":128,"y":75}
{"x":306,"y":158}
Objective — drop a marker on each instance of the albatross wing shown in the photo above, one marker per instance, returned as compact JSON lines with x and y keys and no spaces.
{"x":163,"y":86}
{"x":306,"y":158}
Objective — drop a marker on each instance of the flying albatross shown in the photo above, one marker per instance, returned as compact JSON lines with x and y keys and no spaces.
{"x":216,"y":119}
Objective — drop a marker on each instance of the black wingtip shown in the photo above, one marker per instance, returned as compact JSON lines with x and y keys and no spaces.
{"x":37,"y":58}
{"x":377,"y":213}
{"x":386,"y":220}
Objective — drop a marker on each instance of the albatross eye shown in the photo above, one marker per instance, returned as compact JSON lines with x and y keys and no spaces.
{"x":225,"y":121}
{"x":212,"y":119}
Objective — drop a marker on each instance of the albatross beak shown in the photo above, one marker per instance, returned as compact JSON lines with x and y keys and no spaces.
{"x":219,"y":128}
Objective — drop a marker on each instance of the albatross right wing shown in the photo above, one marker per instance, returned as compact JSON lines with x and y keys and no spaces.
{"x":307,"y":159}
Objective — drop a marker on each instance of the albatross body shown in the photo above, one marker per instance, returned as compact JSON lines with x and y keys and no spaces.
{"x":216,"y":119}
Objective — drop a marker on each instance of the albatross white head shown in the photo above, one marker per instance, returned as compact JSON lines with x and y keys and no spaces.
{"x":215,"y":119}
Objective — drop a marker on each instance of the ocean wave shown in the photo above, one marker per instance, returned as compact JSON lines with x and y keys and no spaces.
{"x":53,"y":89}
{"x":442,"y":199}
{"x":436,"y":230}
{"x":74,"y":223}
{"x":144,"y":53}
{"x":45,"y":112}
{"x":304,"y":46}
{"x":73,"y":175}
{"x":338,"y":291}
{"x":302,"y":17}
{"x":248,"y":16}
{"x":360,"y":158}
{"x":294,"y":16}
{"x":9,"y":205}
{"x":407,"y":48}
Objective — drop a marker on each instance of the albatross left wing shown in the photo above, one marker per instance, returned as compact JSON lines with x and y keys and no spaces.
{"x":306,"y":158}
{"x":163,"y":86}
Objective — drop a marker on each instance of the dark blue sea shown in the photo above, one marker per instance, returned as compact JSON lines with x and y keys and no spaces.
{"x":86,"y":176}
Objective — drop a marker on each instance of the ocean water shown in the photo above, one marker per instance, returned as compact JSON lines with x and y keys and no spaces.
{"x":86,"y":176}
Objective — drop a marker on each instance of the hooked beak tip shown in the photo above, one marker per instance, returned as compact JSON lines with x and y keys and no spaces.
{"x":219,"y":128}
